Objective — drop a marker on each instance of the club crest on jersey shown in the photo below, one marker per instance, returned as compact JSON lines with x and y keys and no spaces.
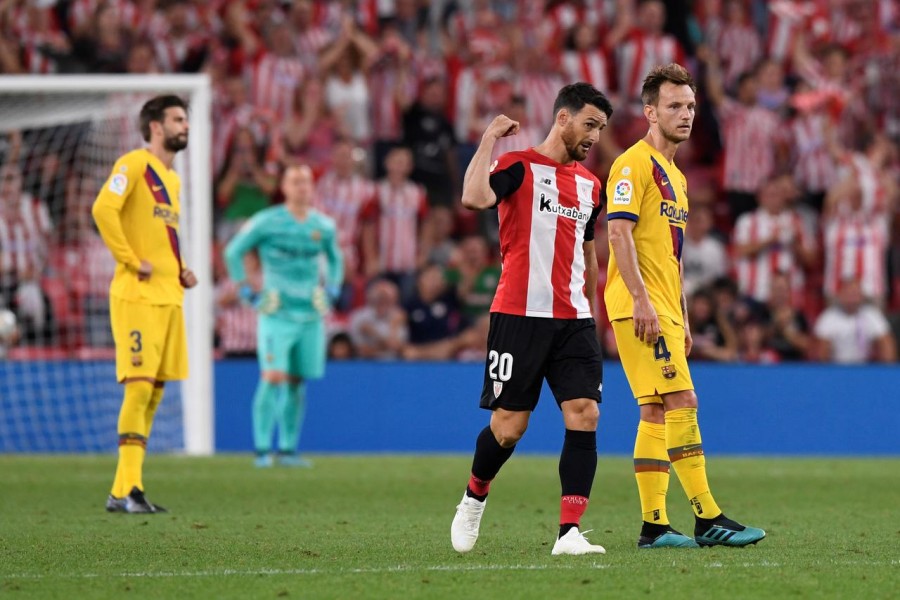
{"x":136,"y":360}
{"x":623,"y":191}
{"x":668,"y":371}
{"x":316,"y":235}
{"x":498,"y":388}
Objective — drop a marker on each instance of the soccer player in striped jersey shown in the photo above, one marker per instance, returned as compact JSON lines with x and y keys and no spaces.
{"x":648,"y":209}
{"x":290,"y":240}
{"x":137,"y":212}
{"x":541,"y":319}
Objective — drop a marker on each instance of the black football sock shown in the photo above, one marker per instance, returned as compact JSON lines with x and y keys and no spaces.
{"x":489,"y":458}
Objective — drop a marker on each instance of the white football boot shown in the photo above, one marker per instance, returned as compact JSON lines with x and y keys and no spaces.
{"x":464,"y":530}
{"x":575,"y":543}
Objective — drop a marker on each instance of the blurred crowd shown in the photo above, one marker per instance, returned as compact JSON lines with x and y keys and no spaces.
{"x":792,"y":249}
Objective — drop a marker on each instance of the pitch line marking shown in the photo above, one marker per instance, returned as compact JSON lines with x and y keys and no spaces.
{"x":401,"y":569}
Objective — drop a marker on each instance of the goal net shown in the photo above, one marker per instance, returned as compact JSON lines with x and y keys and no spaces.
{"x":59,"y":137}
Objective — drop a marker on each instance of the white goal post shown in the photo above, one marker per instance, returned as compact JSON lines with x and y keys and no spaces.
{"x":46,"y":101}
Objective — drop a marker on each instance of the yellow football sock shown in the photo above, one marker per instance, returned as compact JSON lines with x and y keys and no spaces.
{"x":155,"y":399}
{"x":686,"y":454}
{"x":132,"y":437}
{"x":651,"y":470}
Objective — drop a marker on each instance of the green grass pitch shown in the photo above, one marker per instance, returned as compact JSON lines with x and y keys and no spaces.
{"x":360,"y":527}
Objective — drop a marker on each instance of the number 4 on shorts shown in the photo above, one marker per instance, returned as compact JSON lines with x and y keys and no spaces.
{"x":661,"y":351}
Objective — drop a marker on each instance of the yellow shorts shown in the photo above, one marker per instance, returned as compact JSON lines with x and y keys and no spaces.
{"x":150,"y":340}
{"x":653,"y":369}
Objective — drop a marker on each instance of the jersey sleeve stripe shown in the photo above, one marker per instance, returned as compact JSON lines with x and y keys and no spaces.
{"x":622,"y":215}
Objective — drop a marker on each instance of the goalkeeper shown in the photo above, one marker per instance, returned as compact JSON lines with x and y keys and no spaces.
{"x":290,"y":240}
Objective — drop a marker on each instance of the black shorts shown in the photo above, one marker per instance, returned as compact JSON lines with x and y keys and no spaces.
{"x":522,"y":351}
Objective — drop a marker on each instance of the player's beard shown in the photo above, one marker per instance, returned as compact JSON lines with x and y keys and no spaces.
{"x":572,"y":144}
{"x":674,"y":135}
{"x":176,"y":143}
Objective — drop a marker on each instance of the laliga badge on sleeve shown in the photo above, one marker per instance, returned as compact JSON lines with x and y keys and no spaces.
{"x":118,"y":183}
{"x":623,"y":190}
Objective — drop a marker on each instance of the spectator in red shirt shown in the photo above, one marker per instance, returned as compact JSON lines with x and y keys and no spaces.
{"x":392,"y":220}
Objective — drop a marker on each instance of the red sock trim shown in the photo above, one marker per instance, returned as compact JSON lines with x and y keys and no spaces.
{"x":571,"y":508}
{"x":479,"y":486}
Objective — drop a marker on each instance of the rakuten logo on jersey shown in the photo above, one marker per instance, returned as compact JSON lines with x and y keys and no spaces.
{"x":675,"y":214}
{"x":169,"y":216}
{"x":562,"y":211}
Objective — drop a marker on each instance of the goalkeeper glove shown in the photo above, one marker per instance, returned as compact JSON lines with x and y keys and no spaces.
{"x":265,"y":302}
{"x":323,"y":298}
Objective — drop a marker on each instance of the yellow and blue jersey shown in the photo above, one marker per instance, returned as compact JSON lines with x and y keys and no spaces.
{"x":137,"y":212}
{"x":646,"y":188}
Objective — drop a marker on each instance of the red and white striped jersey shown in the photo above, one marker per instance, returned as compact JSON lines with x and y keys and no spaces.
{"x":754,"y":274}
{"x":343,"y":199}
{"x":750,"y":134}
{"x":397,"y":212}
{"x":23,"y":238}
{"x":33,"y":59}
{"x":34,"y":28}
{"x":564,"y":16}
{"x":171,"y":53}
{"x":787,"y":18}
{"x":228,"y":120}
{"x":309,"y":42}
{"x":235,"y":322}
{"x":81,"y":14}
{"x":385,"y":83}
{"x":97,"y":265}
{"x":273,"y":81}
{"x":591,"y":66}
{"x":814,"y":166}
{"x":882,"y":80}
{"x":528,"y":137}
{"x":24,"y":19}
{"x":547,"y":211}
{"x":638,"y":54}
{"x":739,"y":48}
{"x":856,"y":245}
{"x":480,"y":94}
{"x":541,"y":90}
{"x":874,"y":192}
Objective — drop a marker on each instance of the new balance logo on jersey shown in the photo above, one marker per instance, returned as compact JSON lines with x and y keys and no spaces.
{"x":547,"y":181}
{"x":675,"y":214}
{"x":562,"y":211}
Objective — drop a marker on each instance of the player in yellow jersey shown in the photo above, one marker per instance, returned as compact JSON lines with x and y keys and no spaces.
{"x":137,"y":213}
{"x":647,"y":210}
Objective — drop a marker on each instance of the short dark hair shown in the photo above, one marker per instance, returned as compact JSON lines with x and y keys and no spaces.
{"x":671,"y":73}
{"x":155,"y":110}
{"x":744,"y":77}
{"x":575,"y":95}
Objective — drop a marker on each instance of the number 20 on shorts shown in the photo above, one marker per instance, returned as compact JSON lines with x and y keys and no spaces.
{"x":500,"y":365}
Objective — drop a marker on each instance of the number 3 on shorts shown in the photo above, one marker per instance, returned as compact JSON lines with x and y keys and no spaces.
{"x":661,"y":351}
{"x":504,"y":362}
{"x":137,"y":345}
